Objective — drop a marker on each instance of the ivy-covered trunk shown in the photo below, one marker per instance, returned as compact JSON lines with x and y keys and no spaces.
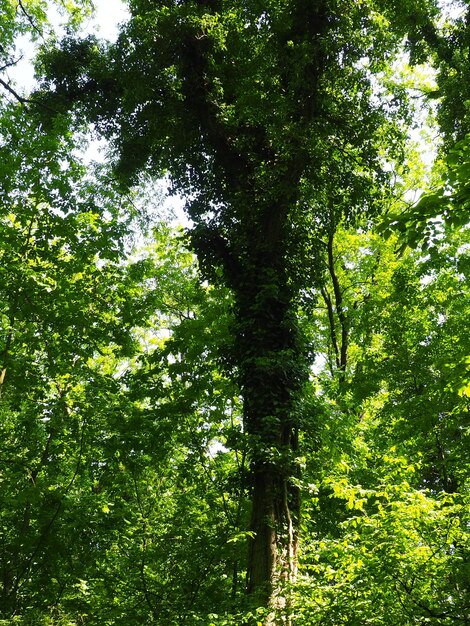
{"x":271,"y":372}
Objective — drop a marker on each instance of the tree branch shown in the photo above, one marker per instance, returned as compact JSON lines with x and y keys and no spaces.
{"x":331,"y":320}
{"x":14,"y":93}
{"x":30,"y":19}
{"x":339,"y":308}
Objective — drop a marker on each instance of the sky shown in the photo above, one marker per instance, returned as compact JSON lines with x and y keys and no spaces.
{"x":109,"y":14}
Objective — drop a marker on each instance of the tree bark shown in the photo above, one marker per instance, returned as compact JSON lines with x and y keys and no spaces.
{"x":272,"y":373}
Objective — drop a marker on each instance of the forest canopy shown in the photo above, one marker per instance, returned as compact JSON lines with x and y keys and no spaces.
{"x":261,"y":416}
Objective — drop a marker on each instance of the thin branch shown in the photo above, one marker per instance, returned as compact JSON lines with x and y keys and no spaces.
{"x":25,"y":101}
{"x":10,"y":64}
{"x":339,"y":308}
{"x":30,"y":19}
{"x":14,"y":93}
{"x":331,"y":321}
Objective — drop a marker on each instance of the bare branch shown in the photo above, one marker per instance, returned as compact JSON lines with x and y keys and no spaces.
{"x":11,"y":64}
{"x":14,"y":93}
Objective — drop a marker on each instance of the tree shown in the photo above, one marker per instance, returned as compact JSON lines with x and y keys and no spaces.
{"x":60,"y":257}
{"x":393,"y":421}
{"x":269,"y":122}
{"x":91,"y":386}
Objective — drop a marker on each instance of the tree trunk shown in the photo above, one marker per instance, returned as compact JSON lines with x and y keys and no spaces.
{"x":272,"y":372}
{"x":273,"y":549}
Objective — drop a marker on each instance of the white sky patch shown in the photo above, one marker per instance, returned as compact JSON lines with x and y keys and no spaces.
{"x":451,"y":9}
{"x":22,"y":73}
{"x":109,"y":15}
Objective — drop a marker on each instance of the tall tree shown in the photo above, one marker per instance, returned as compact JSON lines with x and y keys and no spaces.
{"x":269,"y":121}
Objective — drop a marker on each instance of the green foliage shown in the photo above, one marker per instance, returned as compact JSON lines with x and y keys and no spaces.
{"x":400,"y":557}
{"x":93,"y":383}
{"x":446,"y":207}
{"x":161,"y":413}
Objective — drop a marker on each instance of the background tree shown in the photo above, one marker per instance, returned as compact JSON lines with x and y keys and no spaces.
{"x":394,"y":422}
{"x":88,"y":393}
